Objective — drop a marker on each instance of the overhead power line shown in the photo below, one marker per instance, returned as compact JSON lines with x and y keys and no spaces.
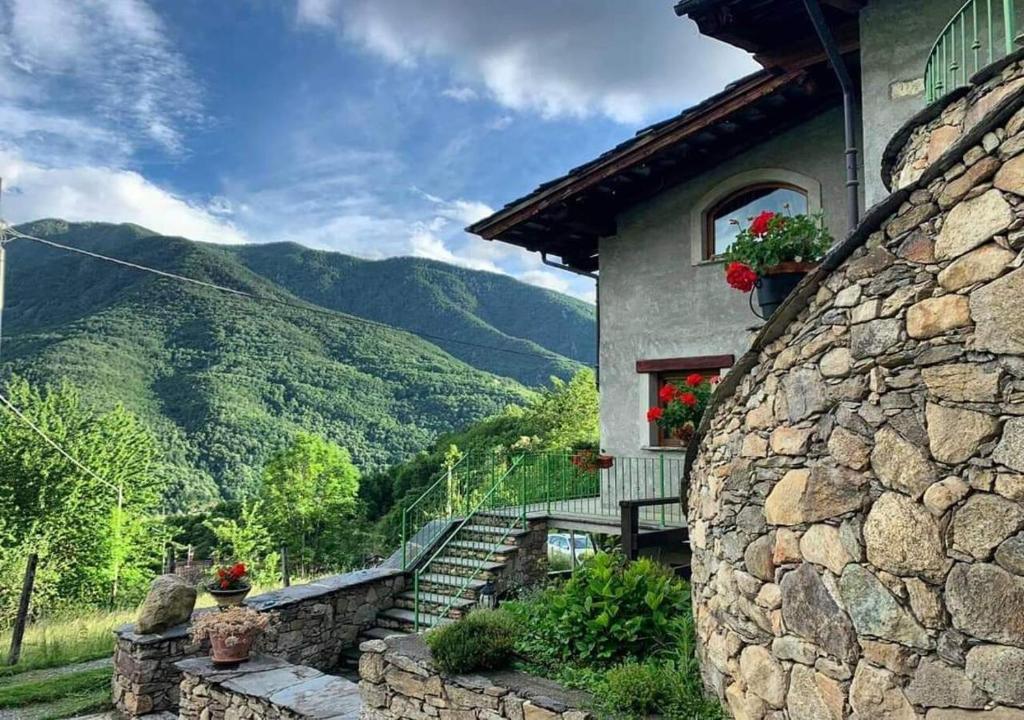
{"x":281,"y":302}
{"x":52,"y":443}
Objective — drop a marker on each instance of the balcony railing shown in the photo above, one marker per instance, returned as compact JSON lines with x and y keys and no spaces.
{"x":980,"y":33}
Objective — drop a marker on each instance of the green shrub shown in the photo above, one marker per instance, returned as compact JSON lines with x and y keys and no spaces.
{"x":608,"y":612}
{"x":637,"y":689}
{"x":662,"y":687}
{"x":483,"y":640}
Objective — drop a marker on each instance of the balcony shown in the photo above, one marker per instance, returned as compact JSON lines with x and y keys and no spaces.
{"x":979,"y":34}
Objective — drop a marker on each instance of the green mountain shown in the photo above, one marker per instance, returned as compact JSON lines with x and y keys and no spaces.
{"x":224,"y":381}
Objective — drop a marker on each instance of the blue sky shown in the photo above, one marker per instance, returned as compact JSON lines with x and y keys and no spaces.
{"x":371,"y":127}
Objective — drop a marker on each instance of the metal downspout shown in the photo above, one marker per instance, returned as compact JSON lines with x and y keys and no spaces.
{"x":835,"y":58}
{"x":597,"y":305}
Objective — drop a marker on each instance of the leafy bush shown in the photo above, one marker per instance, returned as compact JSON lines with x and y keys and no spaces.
{"x":483,"y":640}
{"x":608,"y":612}
{"x":637,"y":689}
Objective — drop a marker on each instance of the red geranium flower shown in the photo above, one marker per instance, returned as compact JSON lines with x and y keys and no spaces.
{"x":715,"y":379}
{"x":694,"y":380}
{"x":654,"y":413}
{"x":740,"y":276}
{"x":688,"y":398}
{"x":667,"y":393}
{"x":760,"y":224}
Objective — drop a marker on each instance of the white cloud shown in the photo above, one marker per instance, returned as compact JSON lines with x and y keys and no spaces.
{"x":460,"y":93}
{"x":628,"y":61}
{"x":105,"y":194}
{"x":111,"y":64}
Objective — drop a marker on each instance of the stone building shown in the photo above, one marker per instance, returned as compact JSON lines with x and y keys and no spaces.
{"x":855,"y":492}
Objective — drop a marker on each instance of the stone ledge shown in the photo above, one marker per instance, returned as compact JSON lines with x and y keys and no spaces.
{"x":265,"y":685}
{"x":399,"y":672}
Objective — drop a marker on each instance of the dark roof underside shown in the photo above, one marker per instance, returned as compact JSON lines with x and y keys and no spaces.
{"x":768,"y":28}
{"x":567,"y":216}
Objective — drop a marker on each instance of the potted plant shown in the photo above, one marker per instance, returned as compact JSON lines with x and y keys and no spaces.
{"x":589,"y":459}
{"x":231,"y":633}
{"x":680,"y":408}
{"x":773,"y":254}
{"x":230,"y":585}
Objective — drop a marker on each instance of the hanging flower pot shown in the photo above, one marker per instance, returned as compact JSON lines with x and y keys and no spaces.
{"x":773,"y":254}
{"x":777,"y":282}
{"x":605,"y":461}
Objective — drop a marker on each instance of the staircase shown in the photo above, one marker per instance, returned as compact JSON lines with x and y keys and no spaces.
{"x":452,"y":558}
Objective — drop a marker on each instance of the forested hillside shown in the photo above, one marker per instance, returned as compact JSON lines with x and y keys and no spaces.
{"x":224,"y":381}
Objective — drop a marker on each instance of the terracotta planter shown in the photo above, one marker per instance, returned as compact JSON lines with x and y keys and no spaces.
{"x":231,"y":649}
{"x":229,"y":598}
{"x":684,"y":434}
{"x":776,"y":283}
{"x":605,"y":461}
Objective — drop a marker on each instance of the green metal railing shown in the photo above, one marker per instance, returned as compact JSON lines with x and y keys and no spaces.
{"x":980,"y":33}
{"x":503,"y":502}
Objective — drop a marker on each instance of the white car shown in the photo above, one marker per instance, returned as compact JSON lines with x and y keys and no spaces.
{"x":558,"y":546}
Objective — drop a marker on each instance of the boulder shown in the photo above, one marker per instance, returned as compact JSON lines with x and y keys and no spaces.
{"x":810,"y":611}
{"x":995,"y":308}
{"x":954,"y":434}
{"x":900,"y":464}
{"x":875,"y":694}
{"x":987,"y":603}
{"x":875,"y":612}
{"x":986,"y":263}
{"x":972,"y":223}
{"x":809,"y":495}
{"x":935,"y":316}
{"x":936,"y":684}
{"x":999,"y":671}
{"x":813,"y":696}
{"x":903,"y":538}
{"x":963,"y":382}
{"x":984,"y":522}
{"x":170,"y":602}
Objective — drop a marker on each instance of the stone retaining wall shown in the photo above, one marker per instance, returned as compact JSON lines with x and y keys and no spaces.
{"x":313,"y":624}
{"x":399,"y":681}
{"x":855,"y":503}
{"x":264,"y":688}
{"x":921,"y":144}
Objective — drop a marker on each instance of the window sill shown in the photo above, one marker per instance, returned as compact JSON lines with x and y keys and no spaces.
{"x":663,"y":448}
{"x":711,"y":261}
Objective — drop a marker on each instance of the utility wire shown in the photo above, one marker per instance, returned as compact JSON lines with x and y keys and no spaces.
{"x":52,"y":443}
{"x":277,"y":301}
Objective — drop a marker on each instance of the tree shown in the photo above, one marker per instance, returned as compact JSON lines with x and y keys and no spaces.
{"x":97,"y":535}
{"x":309,"y":493}
{"x":248,"y":540}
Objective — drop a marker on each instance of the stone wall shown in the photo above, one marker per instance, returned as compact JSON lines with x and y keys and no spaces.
{"x":927,"y":136}
{"x":312,"y":625}
{"x":264,"y":688}
{"x":855,"y":499}
{"x":399,"y":680}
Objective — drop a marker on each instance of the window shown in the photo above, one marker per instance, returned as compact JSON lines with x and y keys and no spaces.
{"x":732,"y":214}
{"x":675,"y":371}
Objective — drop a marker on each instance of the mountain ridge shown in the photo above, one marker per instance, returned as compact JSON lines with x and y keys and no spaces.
{"x":224,"y":380}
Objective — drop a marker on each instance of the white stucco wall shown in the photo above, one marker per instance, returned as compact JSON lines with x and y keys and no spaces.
{"x":895,"y":39}
{"x":657,"y":303}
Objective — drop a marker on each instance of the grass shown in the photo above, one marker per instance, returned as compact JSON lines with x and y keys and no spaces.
{"x":60,"y":641}
{"x":66,"y":686}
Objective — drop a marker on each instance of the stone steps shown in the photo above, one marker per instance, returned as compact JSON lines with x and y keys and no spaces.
{"x":405,"y":620}
{"x":435,"y":604}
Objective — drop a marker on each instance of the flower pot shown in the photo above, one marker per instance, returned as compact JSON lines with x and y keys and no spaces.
{"x":776,"y":283}
{"x":229,"y":598}
{"x":231,"y":649}
{"x":605,"y":461}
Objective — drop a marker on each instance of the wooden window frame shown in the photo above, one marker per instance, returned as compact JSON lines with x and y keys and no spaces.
{"x":662,"y":370}
{"x":709,"y":215}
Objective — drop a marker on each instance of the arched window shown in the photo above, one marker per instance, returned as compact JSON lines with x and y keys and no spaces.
{"x":733,"y":213}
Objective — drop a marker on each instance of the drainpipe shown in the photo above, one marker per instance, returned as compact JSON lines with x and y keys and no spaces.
{"x":597,"y":304}
{"x":835,"y":58}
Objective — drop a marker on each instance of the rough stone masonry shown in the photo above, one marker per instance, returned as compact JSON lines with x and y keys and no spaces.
{"x":857,"y":503}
